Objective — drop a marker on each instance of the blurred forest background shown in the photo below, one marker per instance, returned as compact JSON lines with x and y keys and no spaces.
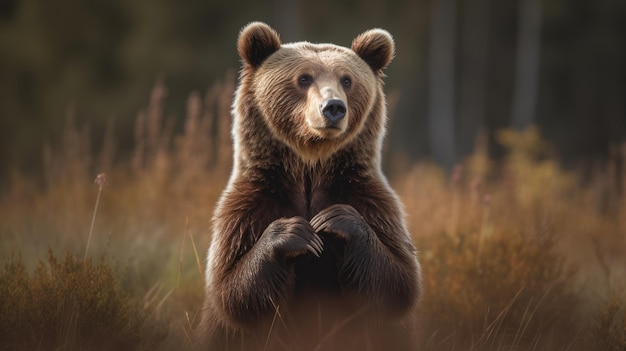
{"x":462,"y":67}
{"x":521,"y":230}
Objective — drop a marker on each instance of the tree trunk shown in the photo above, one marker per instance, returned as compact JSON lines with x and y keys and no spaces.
{"x":527,"y":64}
{"x":473,"y":74}
{"x":286,"y":19}
{"x":441,"y":82}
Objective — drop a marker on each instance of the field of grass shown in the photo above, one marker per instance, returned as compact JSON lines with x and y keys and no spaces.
{"x":516,"y":255}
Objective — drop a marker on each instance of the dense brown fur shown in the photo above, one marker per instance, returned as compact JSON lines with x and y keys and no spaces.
{"x":310,"y":248}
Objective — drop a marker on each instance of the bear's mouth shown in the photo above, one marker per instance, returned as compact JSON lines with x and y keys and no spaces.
{"x":325,"y":128}
{"x":328,"y":132}
{"x":333,"y":127}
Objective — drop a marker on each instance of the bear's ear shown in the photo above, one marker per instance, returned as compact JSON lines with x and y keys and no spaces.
{"x":257,"y":41}
{"x":375,"y":47}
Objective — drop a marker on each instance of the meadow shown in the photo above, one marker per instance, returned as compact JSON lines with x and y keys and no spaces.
{"x":105,"y":250}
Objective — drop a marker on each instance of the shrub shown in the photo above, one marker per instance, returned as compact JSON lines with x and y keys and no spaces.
{"x":498,"y":241}
{"x":70,"y":304}
{"x":506,"y":289}
{"x":609,"y":330}
{"x":507,"y":250}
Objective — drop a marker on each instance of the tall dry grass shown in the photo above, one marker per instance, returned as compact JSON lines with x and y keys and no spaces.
{"x":518,"y":254}
{"x":150,"y":217}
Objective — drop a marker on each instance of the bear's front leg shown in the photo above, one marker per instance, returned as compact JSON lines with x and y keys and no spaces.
{"x":287,"y":238}
{"x":379,"y":269}
{"x":263,"y":278}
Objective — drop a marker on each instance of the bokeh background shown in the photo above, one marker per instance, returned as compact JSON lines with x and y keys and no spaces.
{"x":506,"y":144}
{"x":462,"y":66}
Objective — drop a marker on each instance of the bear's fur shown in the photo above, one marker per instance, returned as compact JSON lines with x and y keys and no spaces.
{"x":310,"y":247}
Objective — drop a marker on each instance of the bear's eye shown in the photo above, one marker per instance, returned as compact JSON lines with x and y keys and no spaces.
{"x":346,"y":82}
{"x":305,"y":80}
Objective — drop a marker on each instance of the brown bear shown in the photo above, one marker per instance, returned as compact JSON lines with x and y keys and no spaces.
{"x":310,"y":249}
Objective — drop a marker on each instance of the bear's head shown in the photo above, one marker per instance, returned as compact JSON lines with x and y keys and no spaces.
{"x":315,"y":98}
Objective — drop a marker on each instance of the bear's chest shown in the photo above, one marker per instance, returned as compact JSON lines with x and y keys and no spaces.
{"x":319,"y":190}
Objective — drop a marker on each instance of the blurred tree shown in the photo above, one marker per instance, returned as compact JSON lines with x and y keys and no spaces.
{"x":527,"y":63}
{"x":441,"y":113}
{"x":582,"y":107}
{"x":286,"y":20}
{"x":457,"y":70}
{"x":472,"y":73}
{"x":53,"y":55}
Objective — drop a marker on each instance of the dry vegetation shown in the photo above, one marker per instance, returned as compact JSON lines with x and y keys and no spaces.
{"x":519,"y":255}
{"x":516,"y":255}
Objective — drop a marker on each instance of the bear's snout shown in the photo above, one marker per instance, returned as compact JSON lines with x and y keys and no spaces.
{"x":333,"y":109}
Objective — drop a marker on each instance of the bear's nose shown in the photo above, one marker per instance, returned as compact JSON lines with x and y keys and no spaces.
{"x":333,"y":109}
